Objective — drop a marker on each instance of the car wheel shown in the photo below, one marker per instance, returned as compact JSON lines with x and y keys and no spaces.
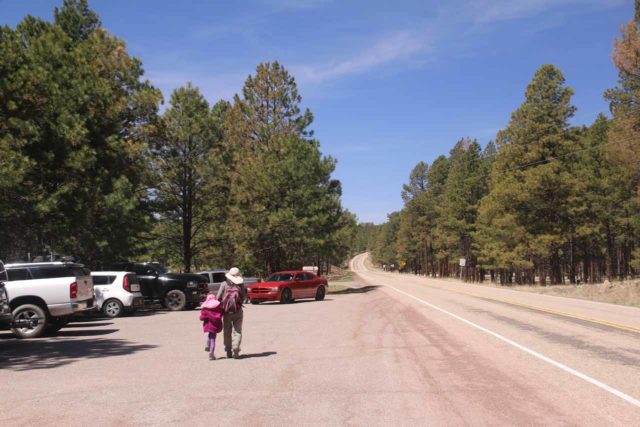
{"x":285,"y":297}
{"x":31,"y":321}
{"x":175,"y":300}
{"x":255,"y":302}
{"x":320,"y":293}
{"x":112,"y":308}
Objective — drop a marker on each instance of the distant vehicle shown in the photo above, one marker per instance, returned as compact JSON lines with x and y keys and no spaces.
{"x":287,"y":286}
{"x":117,"y":292}
{"x":175,"y":291}
{"x":216,"y":277}
{"x":44,"y":296}
{"x":5,"y":309}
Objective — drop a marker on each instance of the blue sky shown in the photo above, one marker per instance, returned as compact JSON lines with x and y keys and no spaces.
{"x":390,"y":83}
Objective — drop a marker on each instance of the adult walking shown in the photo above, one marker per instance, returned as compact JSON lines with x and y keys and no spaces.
{"x":231,"y":294}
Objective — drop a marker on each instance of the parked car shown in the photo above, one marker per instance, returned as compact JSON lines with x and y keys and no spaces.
{"x":287,"y":286}
{"x":44,"y":296}
{"x":117,"y":292}
{"x":5,"y":309}
{"x":175,"y":291}
{"x":216,"y":277}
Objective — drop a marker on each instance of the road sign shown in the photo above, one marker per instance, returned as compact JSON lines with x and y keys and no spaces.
{"x":463,"y":262}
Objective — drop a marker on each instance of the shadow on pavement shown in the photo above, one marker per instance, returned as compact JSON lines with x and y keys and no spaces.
{"x":64,"y":332}
{"x":87,"y":324}
{"x":263,"y":354}
{"x":362,"y":290}
{"x":23,"y":355}
{"x":297,"y":301}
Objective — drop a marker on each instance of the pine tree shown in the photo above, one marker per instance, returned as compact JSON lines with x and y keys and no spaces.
{"x":466,"y":184}
{"x":284,"y":207}
{"x":187,"y":166}
{"x":74,"y":114}
{"x":524,"y":220}
{"x":624,"y":132}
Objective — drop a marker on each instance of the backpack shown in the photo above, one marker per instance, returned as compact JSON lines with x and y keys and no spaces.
{"x":232,"y":299}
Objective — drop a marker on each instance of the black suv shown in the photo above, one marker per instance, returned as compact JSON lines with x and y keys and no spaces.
{"x":175,"y":291}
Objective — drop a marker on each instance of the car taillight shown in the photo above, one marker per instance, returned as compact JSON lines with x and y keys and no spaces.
{"x":73,"y":290}
{"x":125,"y":284}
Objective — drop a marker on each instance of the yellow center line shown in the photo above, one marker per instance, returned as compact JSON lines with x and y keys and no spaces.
{"x":549,"y":310}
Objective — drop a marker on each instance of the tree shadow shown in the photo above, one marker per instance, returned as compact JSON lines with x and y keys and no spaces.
{"x":23,"y":355}
{"x":362,"y":290}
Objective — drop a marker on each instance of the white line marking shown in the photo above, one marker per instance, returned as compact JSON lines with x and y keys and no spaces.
{"x":559,"y":365}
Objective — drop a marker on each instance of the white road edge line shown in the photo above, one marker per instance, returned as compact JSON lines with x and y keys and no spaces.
{"x":559,"y":365}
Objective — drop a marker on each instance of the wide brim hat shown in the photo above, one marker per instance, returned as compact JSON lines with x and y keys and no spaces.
{"x":234,"y":276}
{"x":211,"y":302}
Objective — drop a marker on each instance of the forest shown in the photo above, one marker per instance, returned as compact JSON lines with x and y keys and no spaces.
{"x":545,"y":202}
{"x":95,"y":166}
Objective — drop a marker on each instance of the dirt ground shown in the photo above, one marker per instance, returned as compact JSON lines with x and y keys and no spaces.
{"x":621,"y":293}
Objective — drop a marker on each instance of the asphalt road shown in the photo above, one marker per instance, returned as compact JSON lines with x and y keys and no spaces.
{"x":396,"y":350}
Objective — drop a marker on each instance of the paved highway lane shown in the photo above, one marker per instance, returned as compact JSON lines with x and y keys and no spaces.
{"x":373,"y":355}
{"x":580,"y":358}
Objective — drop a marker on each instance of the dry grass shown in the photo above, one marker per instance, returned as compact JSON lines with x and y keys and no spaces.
{"x":622,"y":293}
{"x":339,"y":275}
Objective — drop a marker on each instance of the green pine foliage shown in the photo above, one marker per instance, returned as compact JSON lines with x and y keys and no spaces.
{"x":89,"y":168}
{"x":74,"y":112}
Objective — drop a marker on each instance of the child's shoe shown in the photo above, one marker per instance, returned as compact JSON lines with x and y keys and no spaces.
{"x":206,"y":348}
{"x":211,"y":356}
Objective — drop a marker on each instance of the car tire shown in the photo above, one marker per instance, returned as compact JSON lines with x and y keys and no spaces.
{"x":112,"y":308}
{"x":285,"y":297}
{"x":175,"y":300}
{"x":320,"y":293}
{"x":255,"y":302}
{"x":29,"y":312}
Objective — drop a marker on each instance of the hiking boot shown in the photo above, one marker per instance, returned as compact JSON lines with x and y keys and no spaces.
{"x":211,"y":356}
{"x":206,"y":348}
{"x":229,"y":355}
{"x":236,"y":355}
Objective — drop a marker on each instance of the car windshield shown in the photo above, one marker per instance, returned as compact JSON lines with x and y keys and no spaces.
{"x":280,"y":277}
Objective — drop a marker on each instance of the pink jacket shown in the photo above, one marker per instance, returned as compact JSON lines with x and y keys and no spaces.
{"x":211,"y":319}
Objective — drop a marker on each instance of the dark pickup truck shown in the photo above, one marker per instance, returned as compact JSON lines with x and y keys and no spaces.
{"x":175,"y":291}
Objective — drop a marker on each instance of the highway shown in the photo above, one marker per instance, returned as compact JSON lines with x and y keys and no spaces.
{"x":501,"y":356}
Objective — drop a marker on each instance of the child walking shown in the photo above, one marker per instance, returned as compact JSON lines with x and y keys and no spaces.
{"x":211,"y":316}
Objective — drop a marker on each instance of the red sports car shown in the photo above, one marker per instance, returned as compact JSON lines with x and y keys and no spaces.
{"x":286,"y":286}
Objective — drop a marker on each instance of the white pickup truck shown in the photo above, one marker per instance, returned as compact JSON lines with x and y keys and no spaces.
{"x":44,"y":296}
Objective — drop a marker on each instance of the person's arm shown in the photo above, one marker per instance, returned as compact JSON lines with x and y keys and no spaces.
{"x":221,"y":290}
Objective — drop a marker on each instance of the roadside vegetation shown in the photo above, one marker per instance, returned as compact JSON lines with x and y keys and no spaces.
{"x":90,"y":167}
{"x":545,"y":202}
